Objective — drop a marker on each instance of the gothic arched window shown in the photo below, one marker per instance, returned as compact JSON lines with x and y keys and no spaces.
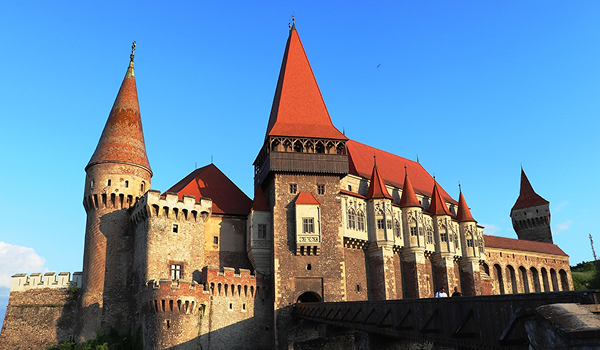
{"x":351,"y":219}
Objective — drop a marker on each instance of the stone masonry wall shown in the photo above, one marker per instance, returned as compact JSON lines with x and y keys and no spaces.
{"x":357,"y":287}
{"x":38,"y":318}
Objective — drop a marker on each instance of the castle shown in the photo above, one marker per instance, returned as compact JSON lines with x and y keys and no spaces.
{"x":204,"y":266}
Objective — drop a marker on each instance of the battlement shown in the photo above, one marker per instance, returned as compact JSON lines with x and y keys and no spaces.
{"x":22,"y":281}
{"x":114,"y":200}
{"x":226,"y":282}
{"x":170,"y":206}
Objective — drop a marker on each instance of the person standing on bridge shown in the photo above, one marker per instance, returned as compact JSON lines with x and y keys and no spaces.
{"x":441,"y":293}
{"x":456,"y":293}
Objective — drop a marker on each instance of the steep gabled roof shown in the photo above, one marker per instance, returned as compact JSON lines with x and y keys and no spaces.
{"x":210,"y":182}
{"x":259,"y":203}
{"x":527,"y":196}
{"x":408,"y":199}
{"x":522,"y":245}
{"x":122,"y":139}
{"x":391,"y":169}
{"x":438,"y":206}
{"x":298,"y":107}
{"x":377,"y":189}
{"x":306,"y":198}
{"x":464,"y":213}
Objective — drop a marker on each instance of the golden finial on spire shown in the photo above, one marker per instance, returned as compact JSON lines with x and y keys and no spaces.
{"x":132,"y":53}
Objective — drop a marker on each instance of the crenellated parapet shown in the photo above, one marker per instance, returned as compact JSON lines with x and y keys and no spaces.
{"x":153,"y":204}
{"x":109,"y":199}
{"x":226,"y":282}
{"x":177,"y":296}
{"x":22,"y":282}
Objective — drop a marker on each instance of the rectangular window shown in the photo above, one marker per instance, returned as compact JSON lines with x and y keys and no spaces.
{"x":380,"y":224}
{"x":413,"y":230}
{"x":293,"y":188}
{"x":262,"y":231}
{"x":361,"y":221}
{"x":320,"y":189}
{"x":176,"y":271}
{"x":444,"y":236}
{"x":350,"y":188}
{"x":469,"y":242}
{"x":215,"y":240}
{"x":308,"y":225}
{"x":175,"y":228}
{"x":389,"y":224}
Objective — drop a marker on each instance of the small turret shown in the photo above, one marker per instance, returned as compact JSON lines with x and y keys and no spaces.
{"x":531,"y":214}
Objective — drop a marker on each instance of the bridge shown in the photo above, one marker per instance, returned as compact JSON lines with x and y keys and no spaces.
{"x":476,"y":322}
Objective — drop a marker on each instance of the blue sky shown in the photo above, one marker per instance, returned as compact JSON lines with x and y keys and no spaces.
{"x":474,"y":88}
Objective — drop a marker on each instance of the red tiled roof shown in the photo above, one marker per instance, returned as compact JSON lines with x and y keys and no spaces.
{"x":259,"y":203}
{"x":306,"y":198}
{"x":210,"y":182}
{"x":522,"y":245}
{"x":391,"y":168}
{"x":122,"y":139}
{"x":438,"y":206}
{"x":408,"y":199}
{"x":527,"y":196}
{"x":298,"y":107}
{"x":353,"y":194}
{"x":377,"y":189}
{"x":464,"y":213}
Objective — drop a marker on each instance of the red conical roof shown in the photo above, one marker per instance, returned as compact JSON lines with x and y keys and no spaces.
{"x":377,"y":189}
{"x":408,"y":198}
{"x":259,"y":203}
{"x":438,"y":206}
{"x":464,"y":213}
{"x":298,"y":107}
{"x":527,"y":196}
{"x":122,"y":139}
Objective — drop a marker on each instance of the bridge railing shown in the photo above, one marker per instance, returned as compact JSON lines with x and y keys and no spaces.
{"x":482,"y":322}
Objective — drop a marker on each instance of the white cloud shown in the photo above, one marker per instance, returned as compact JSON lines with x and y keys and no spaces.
{"x":558,"y":228}
{"x":490,"y":229}
{"x":560,"y":206}
{"x":15,"y":259}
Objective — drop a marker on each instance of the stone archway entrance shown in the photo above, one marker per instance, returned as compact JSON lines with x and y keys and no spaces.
{"x":309,"y":297}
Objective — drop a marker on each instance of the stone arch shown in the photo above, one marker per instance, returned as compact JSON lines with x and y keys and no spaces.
{"x":564,"y":280}
{"x":524,"y":279}
{"x":498,"y":278}
{"x":554,"y":279}
{"x":486,"y":269}
{"x":510,"y":271}
{"x":535,"y":278}
{"x":309,"y":297}
{"x":545,"y":280}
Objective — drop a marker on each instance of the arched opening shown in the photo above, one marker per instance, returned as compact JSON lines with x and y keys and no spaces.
{"x":320,"y":148}
{"x":309,"y":297}
{"x":545,"y":280}
{"x":554,"y":279}
{"x":535,"y":277}
{"x":499,"y":279}
{"x":564,"y":281}
{"x":513,"y":279}
{"x":524,"y":279}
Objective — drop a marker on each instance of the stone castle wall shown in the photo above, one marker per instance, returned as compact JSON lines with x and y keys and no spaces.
{"x":41,"y":312}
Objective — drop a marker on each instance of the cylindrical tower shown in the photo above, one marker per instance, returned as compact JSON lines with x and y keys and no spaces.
{"x":116,"y":176}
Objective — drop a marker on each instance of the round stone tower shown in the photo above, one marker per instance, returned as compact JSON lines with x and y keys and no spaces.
{"x":116,"y":176}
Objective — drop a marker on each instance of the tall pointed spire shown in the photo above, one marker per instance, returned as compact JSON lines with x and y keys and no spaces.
{"x":122,"y":139}
{"x":464,"y":213}
{"x":408,"y":198}
{"x":438,"y":206}
{"x":377,"y":189}
{"x":527,"y":196}
{"x":298,"y":107}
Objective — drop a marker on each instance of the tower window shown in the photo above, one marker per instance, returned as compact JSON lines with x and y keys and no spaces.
{"x":92,"y":184}
{"x":175,"y":228}
{"x":308,"y":267}
{"x":308,"y":225}
{"x":108,"y":182}
{"x":293,"y":188}
{"x":142,"y":187}
{"x":215,"y":240}
{"x":380,"y":224}
{"x":262,"y":231}
{"x":389,"y":224}
{"x":126,"y":183}
{"x":469,"y":242}
{"x":320,"y":189}
{"x":350,"y":188}
{"x":413,"y":230}
{"x":176,"y":271}
{"x":444,"y":236}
